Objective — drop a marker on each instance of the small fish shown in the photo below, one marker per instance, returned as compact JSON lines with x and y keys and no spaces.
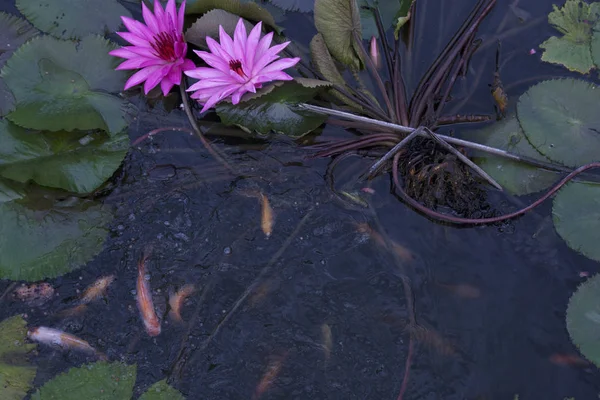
{"x":405,"y":254}
{"x":90,"y":294}
{"x":54,"y":337}
{"x":144,"y":298}
{"x":568,"y":360}
{"x":462,"y":290}
{"x":433,"y":340}
{"x":266,"y":220}
{"x":327,"y":340}
{"x":176,"y":301}
{"x":269,"y":377}
{"x":34,"y":294}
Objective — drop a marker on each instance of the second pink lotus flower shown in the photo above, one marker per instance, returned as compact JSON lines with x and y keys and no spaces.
{"x":238,"y":66}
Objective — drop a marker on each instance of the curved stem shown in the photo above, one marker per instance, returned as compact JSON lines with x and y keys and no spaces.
{"x":206,"y":143}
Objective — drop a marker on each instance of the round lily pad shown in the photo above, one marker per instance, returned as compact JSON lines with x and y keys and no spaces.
{"x":208,"y":25}
{"x":40,"y":241}
{"x":583,"y":319}
{"x":517,"y":178}
{"x":60,"y":85}
{"x":68,"y":19}
{"x":338,"y":21}
{"x":276,"y":111}
{"x":13,"y":33}
{"x":595,"y":45}
{"x":561,"y":120}
{"x":75,"y":161}
{"x":576,"y":214}
{"x":16,"y":373}
{"x":98,"y":381}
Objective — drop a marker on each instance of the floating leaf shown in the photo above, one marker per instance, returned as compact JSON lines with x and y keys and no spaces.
{"x":326,"y":66}
{"x":61,"y":85}
{"x":403,"y":16}
{"x":276,"y":111}
{"x":13,"y":33}
{"x":583,"y":319}
{"x":339,"y":21}
{"x":517,"y":178}
{"x":98,"y":381}
{"x":74,"y":161}
{"x":249,"y":11}
{"x":561,"y":120}
{"x":40,"y":241}
{"x":388,"y":9}
{"x":208,"y":25}
{"x":575,"y":21}
{"x":576,"y":215}
{"x":312,"y":83}
{"x":10,"y":190}
{"x":595,"y":45}
{"x":161,"y":391}
{"x":68,"y":19}
{"x":16,"y":373}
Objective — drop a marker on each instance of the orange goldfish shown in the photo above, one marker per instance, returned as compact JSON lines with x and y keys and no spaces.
{"x":405,"y":254}
{"x":269,"y":377}
{"x":91,"y":293}
{"x":267,"y":219}
{"x":176,"y":301}
{"x":54,"y":337}
{"x":144,"y":299}
{"x":568,"y":360}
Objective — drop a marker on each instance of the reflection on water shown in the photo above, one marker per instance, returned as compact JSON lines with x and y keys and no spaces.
{"x":317,"y":308}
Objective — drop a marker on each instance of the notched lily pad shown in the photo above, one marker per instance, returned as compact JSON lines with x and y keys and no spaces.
{"x":161,"y":391}
{"x":68,"y":19}
{"x":575,"y":21}
{"x":16,"y":373}
{"x":247,"y":10}
{"x":74,"y":161}
{"x":98,"y":381}
{"x":60,"y":85}
{"x":339,"y":21}
{"x":517,"y":178}
{"x":576,"y":215}
{"x":13,"y":33}
{"x":41,"y":238}
{"x":275,"y":111}
{"x":561,"y":120}
{"x":583,"y":319}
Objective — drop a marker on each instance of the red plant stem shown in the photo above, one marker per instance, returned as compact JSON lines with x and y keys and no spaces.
{"x":461,"y":119}
{"x":399,"y":89}
{"x":407,"y":364}
{"x":476,"y":221}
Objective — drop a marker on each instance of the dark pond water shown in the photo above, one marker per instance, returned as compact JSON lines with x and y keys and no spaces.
{"x":261,"y":299}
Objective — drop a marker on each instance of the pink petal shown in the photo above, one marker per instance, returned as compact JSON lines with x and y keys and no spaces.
{"x":279,"y":65}
{"x":134,"y":39}
{"x":155,"y":78}
{"x":210,"y":83}
{"x":263,"y":45}
{"x":206,"y":73}
{"x":171,"y":11}
{"x":274,"y":76}
{"x":180,"y":17}
{"x":213,"y":61}
{"x":137,"y":28}
{"x":141,"y":76}
{"x":141,"y":51}
{"x":137,"y":63}
{"x":215,"y":99}
{"x":166,"y":86}
{"x":239,"y":41}
{"x":226,"y":42}
{"x":252,"y":44}
{"x":217,"y":50}
{"x":149,"y":18}
{"x":123,"y":52}
{"x":161,"y":19}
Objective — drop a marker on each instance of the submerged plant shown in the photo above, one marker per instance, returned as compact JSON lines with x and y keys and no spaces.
{"x":238,"y":66}
{"x":158,"y":50}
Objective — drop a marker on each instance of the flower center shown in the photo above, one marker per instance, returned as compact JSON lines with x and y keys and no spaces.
{"x":164,"y":45}
{"x":236,"y":66}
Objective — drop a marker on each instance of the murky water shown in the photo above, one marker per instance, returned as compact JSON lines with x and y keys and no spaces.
{"x":319,"y":296}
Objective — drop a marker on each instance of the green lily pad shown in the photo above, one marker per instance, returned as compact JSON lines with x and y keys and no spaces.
{"x":74,"y":161}
{"x":275,"y":111}
{"x":576,"y":215}
{"x":515,"y":177}
{"x":247,"y":10}
{"x":16,"y":373}
{"x":303,"y":6}
{"x":561,"y":120}
{"x":338,"y":21}
{"x":72,"y":19}
{"x":389,"y":10}
{"x":42,"y":239}
{"x":595,"y":45}
{"x":98,"y":381}
{"x":60,"y":85}
{"x":583,"y":319}
{"x":10,"y":190}
{"x":13,"y":33}
{"x":575,"y":21}
{"x":161,"y":391}
{"x":208,"y":25}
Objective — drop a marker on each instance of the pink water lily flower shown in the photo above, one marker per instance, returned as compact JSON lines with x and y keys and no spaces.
{"x":158,"y":49}
{"x":238,"y":66}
